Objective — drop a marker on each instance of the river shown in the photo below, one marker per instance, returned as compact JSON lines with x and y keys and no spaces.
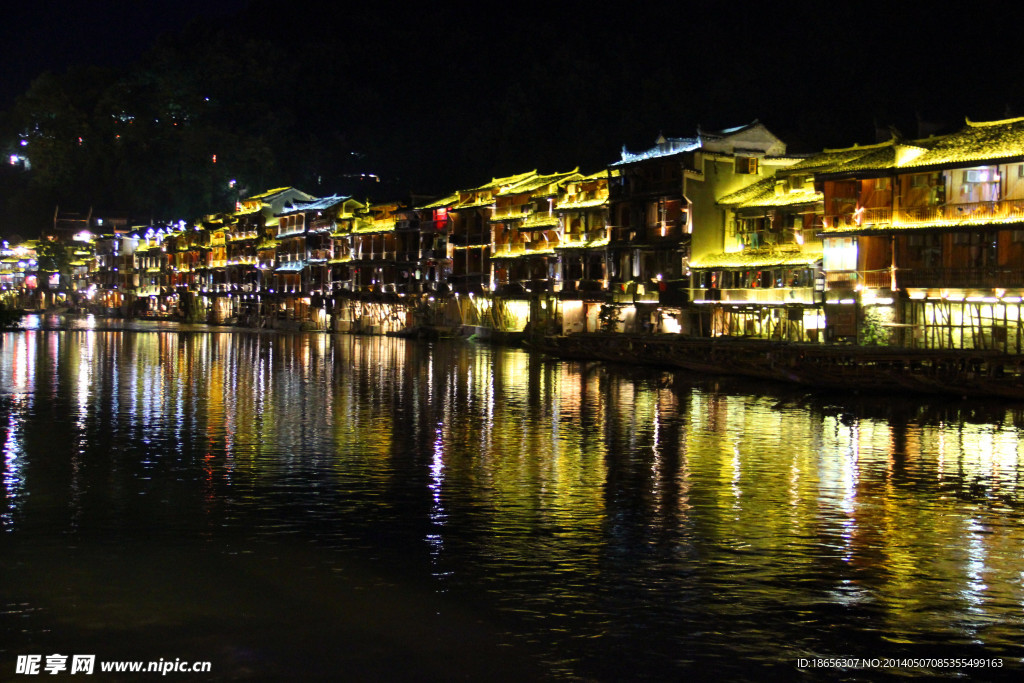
{"x":295,"y":507}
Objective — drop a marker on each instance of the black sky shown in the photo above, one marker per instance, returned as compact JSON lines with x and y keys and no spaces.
{"x":569,"y":83}
{"x":52,"y":36}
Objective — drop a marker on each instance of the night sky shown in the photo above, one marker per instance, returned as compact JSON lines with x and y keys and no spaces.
{"x":445,"y":95}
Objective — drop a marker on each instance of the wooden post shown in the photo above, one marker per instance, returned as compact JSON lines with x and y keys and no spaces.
{"x":962,"y":312}
{"x":1018,"y":328}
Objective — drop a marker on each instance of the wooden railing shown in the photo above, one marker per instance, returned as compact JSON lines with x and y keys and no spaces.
{"x":756,"y":295}
{"x":1009,"y":210}
{"x":960,"y":277}
{"x":570,"y":239}
{"x":860,"y":218}
{"x":849,"y":279}
{"x":542,"y":246}
{"x":1006,"y":210}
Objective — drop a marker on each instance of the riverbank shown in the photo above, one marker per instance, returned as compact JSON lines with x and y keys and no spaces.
{"x":818,"y":366}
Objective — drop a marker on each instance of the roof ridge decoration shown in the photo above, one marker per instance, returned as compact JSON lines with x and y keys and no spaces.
{"x":874,"y":145}
{"x":726,"y":131}
{"x":1000,"y":122}
{"x":507,"y":180}
{"x":669,"y":147}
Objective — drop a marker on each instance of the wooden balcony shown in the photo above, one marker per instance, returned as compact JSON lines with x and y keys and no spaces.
{"x":512,"y":250}
{"x":1007,"y":210}
{"x":594,"y":238}
{"x":983,"y":278}
{"x":851,"y":279}
{"x":780,"y":295}
{"x":970,"y":213}
{"x":433,"y":225}
{"x":861,"y":218}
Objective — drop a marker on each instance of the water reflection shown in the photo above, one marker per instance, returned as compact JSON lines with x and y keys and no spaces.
{"x":614,"y":522}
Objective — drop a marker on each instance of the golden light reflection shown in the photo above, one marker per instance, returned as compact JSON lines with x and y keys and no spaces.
{"x":544,"y":466}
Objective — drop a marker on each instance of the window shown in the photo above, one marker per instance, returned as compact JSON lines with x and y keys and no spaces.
{"x":840,"y":253}
{"x":980,"y":249}
{"x":881,"y":184}
{"x":919,"y":180}
{"x":746,"y":165}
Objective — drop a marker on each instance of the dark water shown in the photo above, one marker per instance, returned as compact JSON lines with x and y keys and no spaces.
{"x":300,"y":507}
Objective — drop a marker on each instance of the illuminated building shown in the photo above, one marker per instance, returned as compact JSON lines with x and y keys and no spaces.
{"x":664,"y":213}
{"x":433,"y":268}
{"x":470,"y":237}
{"x":582,"y":208}
{"x":763,"y":283}
{"x":927,"y":236}
{"x":524,"y":235}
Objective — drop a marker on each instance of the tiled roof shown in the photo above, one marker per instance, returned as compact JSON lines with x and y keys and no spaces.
{"x":582,"y":204}
{"x":763,"y":194}
{"x":443,"y":202}
{"x":599,"y":242}
{"x":856,"y":158}
{"x":979,"y":141}
{"x":368,"y":226}
{"x":759,"y":259}
{"x":497,"y":183}
{"x":539,"y":220}
{"x":477,"y":201}
{"x":975,"y":142}
{"x":749,"y":192}
{"x":268,"y":194}
{"x":314,"y":205}
{"x":535,"y":182}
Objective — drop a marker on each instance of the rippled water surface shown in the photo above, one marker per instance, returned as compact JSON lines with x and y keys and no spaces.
{"x":314,"y":506}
